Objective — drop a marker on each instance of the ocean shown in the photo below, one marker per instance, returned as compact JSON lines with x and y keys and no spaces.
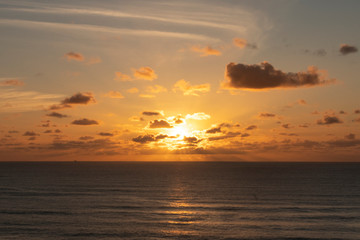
{"x":179,"y":200}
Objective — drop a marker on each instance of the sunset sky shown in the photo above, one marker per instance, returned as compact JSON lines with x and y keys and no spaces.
{"x":216,"y":80}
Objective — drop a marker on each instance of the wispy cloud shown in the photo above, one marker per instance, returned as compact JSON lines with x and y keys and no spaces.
{"x":24,"y":101}
{"x":188,"y":89}
{"x":118,"y":14}
{"x":206,"y":51}
{"x":104,"y":29}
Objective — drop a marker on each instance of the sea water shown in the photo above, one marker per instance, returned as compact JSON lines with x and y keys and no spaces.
{"x":179,"y":200}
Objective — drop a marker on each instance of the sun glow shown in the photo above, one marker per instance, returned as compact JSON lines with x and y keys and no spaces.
{"x":180,"y":131}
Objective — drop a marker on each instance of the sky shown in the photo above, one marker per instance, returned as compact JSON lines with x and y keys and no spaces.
{"x":156,"y":80}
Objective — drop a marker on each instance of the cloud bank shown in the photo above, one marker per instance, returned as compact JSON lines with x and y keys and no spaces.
{"x":265,"y":76}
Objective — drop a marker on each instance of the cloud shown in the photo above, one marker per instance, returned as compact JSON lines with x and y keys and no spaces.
{"x":214,"y":130}
{"x":11,"y":82}
{"x":149,"y":113}
{"x":266,"y":115}
{"x":132,"y":90}
{"x":159,"y":124}
{"x":74,"y":56}
{"x":13,"y":131}
{"x":346,"y":49}
{"x":156,"y":89}
{"x":144,"y":139}
{"x":198,"y":116}
{"x":318,"y":52}
{"x":48,"y":131}
{"x":265,"y":76}
{"x":122,"y":77}
{"x":57,"y":115}
{"x":78,"y":98}
{"x":114,"y":94}
{"x":287,"y":125}
{"x":242,"y":43}
{"x":191,"y":139}
{"x":350,"y":136}
{"x":187,"y":89}
{"x":85,"y":138}
{"x":145,"y":73}
{"x":57,"y":131}
{"x":227,"y":135}
{"x":105,"y":134}
{"x":251,"y":127}
{"x":149,"y":138}
{"x":136,"y":119}
{"x":357,"y":111}
{"x":30,"y":134}
{"x":84,"y":121}
{"x":206,"y":51}
{"x":327,"y":120}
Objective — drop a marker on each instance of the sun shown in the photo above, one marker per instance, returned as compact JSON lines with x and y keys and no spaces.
{"x":180,"y":131}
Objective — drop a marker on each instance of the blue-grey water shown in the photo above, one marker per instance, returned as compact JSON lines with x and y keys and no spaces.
{"x":179,"y":200}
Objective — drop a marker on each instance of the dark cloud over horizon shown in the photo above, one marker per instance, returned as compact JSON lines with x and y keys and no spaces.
{"x":78,"y":98}
{"x":159,"y":124}
{"x":345,"y":49}
{"x":327,"y":120}
{"x":57,"y":115}
{"x":265,"y":76}
{"x":84,"y":121}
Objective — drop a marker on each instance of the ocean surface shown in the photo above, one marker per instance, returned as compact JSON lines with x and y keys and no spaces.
{"x":179,"y":200}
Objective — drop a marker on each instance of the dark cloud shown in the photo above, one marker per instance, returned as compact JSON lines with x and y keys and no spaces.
{"x":178,"y":121}
{"x":229,"y":125}
{"x":327,"y":120}
{"x":346,"y":49}
{"x":13,"y":131}
{"x":342,"y":112}
{"x":48,"y":131}
{"x":265,"y":76}
{"x":227,"y":135}
{"x":78,"y":98}
{"x":288,"y":134}
{"x":344,"y":143}
{"x":286,"y":125}
{"x":106,"y":134}
{"x":74,"y":56}
{"x":159,"y":124}
{"x":57,"y":115}
{"x":57,"y":131}
{"x":11,"y":82}
{"x":85,"y":138}
{"x":191,"y":139}
{"x":357,"y":111}
{"x":149,"y":113}
{"x":350,"y":136}
{"x":161,"y":136}
{"x":32,"y":138}
{"x":214,"y":130}
{"x":266,"y":115}
{"x":251,"y":127}
{"x":149,"y":138}
{"x":318,"y":52}
{"x":84,"y":121}
{"x":30,"y":134}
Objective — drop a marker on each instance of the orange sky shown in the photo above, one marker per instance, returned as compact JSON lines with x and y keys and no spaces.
{"x":190,"y":80}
